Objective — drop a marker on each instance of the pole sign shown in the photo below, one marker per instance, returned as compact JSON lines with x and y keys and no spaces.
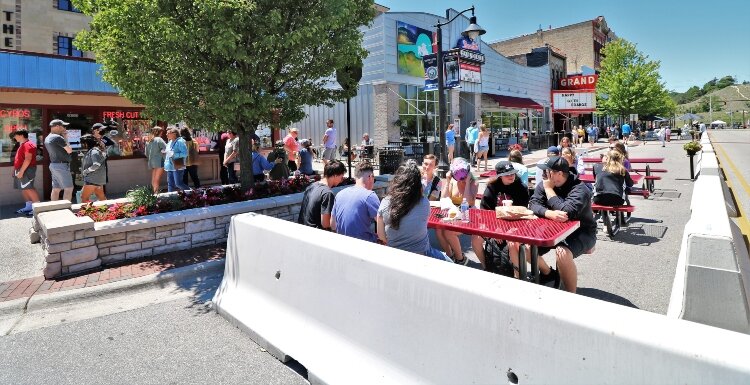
{"x":430,"y":72}
{"x":452,"y":69}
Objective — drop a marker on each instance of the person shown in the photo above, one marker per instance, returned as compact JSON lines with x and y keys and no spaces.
{"x":346,"y":152}
{"x":483,"y":145}
{"x":356,"y":207}
{"x":626,"y":132}
{"x":155,"y":149}
{"x":366,"y":141}
{"x":661,"y":134}
{"x":191,"y":162}
{"x":318,"y":200}
{"x":260,"y":164}
{"x":329,"y":142}
{"x":506,"y":185}
{"x":59,"y":152}
{"x":593,"y":132}
{"x":668,"y":133}
{"x":624,"y":151}
{"x":562,"y":197}
{"x":612,"y":180}
{"x":174,"y":160}
{"x":574,"y":136}
{"x":432,"y":185}
{"x":564,"y":142}
{"x":93,"y":169}
{"x":404,"y":212}
{"x":221,"y":145}
{"x":581,"y":135}
{"x":278,"y":157}
{"x":472,"y":135}
{"x":450,"y":141}
{"x":702,"y":128}
{"x":460,"y":184}
{"x":291,"y":146}
{"x":24,"y":170}
{"x":576,"y":167}
{"x":516,"y":158}
{"x":305,"y":158}
{"x":231,"y":153}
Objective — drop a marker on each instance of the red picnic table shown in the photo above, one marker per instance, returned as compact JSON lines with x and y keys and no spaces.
{"x":649,"y":183}
{"x":589,"y":178}
{"x":632,"y":160}
{"x":539,"y":232}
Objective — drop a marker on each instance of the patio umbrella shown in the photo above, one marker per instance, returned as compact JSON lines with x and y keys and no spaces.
{"x":689,"y":116}
{"x":719,"y":123}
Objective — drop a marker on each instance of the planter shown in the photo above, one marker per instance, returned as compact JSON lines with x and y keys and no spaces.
{"x":692,"y":153}
{"x":75,"y":244}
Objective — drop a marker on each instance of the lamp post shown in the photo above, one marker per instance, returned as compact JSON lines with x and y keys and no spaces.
{"x":473,"y":31}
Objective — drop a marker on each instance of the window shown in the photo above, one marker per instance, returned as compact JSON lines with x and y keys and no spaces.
{"x":418,"y":113}
{"x":16,"y":118}
{"x":66,"y":5}
{"x":65,"y":47}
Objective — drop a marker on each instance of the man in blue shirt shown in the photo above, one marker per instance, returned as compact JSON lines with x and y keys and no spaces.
{"x":472,"y":134}
{"x":626,"y":133}
{"x":260,"y":164}
{"x":450,"y":141}
{"x":356,"y":207}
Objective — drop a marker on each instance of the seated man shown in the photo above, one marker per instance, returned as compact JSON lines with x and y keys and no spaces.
{"x":356,"y":207}
{"x":562,"y":197}
{"x":318,"y":200}
{"x":280,"y":168}
{"x":261,"y":164}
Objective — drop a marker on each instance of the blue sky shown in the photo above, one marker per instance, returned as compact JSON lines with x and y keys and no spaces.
{"x":695,"y":41}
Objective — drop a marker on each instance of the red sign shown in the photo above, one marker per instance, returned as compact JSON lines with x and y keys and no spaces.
{"x":17,"y":113}
{"x":579,"y":82}
{"x":122,"y":114}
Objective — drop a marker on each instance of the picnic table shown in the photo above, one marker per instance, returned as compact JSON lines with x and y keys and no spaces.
{"x":589,"y":178}
{"x":648,"y":171}
{"x":535,"y":233}
{"x":632,"y":160}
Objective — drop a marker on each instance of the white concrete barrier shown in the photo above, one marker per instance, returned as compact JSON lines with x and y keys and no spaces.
{"x":354,"y":312}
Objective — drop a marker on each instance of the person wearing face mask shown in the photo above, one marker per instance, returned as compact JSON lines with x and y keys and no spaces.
{"x":459,"y":184}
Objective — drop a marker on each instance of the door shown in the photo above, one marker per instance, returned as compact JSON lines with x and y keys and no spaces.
{"x":80,"y":122}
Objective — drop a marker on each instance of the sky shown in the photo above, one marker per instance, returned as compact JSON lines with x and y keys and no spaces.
{"x":695,"y":41}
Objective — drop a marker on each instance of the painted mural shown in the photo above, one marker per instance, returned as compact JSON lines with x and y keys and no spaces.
{"x":413,"y":43}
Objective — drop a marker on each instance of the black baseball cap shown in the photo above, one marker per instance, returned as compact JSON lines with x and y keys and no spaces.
{"x":555,"y":163}
{"x":503,"y":168}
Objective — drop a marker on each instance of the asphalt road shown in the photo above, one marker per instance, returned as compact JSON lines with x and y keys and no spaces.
{"x":732,"y":148}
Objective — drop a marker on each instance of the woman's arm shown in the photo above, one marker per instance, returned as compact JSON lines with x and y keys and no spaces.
{"x":381,"y":229}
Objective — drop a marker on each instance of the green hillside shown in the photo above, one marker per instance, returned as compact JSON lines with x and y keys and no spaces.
{"x":737,"y":98}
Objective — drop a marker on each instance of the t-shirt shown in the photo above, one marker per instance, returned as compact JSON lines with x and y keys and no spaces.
{"x":411,"y":234}
{"x":231,"y":146}
{"x":626,"y":129}
{"x":432,"y":187}
{"x":55,"y":145}
{"x":450,"y":137}
{"x":472,"y":134}
{"x":318,"y":200}
{"x":93,"y":156}
{"x":331,"y":141}
{"x":305,"y":161}
{"x":355,"y":210}
{"x":27,"y":149}
{"x":291,"y":143}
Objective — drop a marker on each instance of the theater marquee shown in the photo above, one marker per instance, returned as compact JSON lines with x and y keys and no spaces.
{"x":573,"y":101}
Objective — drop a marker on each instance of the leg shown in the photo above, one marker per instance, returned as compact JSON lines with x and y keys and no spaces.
{"x":513,"y":251}
{"x":86,"y":193}
{"x":442,"y":241}
{"x":484,"y":155}
{"x":567,"y":268}
{"x":455,"y":244}
{"x":178,"y":180}
{"x":99,"y":191}
{"x":68,"y":194}
{"x":193,"y":170}
{"x":170,"y":181}
{"x":156,"y":179}
{"x":477,"y":244}
{"x":55,"y":195}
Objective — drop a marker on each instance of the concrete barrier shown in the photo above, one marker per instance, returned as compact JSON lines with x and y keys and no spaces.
{"x":354,"y":312}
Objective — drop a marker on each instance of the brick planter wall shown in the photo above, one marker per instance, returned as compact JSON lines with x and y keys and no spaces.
{"x":73,"y":244}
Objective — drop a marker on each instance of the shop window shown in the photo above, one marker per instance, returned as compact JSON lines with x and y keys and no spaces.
{"x":16,"y":118}
{"x":67,"y":5}
{"x":65,"y":47}
{"x":418,"y":113}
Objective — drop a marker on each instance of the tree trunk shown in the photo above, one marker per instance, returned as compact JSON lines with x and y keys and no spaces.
{"x":245,"y":155}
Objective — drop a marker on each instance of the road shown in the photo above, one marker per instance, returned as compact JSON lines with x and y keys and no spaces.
{"x":732,"y":147}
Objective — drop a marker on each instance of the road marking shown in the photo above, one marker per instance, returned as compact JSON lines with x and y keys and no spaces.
{"x":742,"y":219}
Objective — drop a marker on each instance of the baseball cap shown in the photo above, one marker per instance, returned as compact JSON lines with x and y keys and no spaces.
{"x":504,"y":168}
{"x":553,"y":150}
{"x":460,"y":168}
{"x":97,"y":126}
{"x":58,"y":122}
{"x":555,"y":163}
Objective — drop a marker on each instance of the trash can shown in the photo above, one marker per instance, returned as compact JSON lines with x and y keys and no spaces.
{"x":389,"y":159}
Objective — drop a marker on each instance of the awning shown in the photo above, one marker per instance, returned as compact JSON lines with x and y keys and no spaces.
{"x":514,"y":102}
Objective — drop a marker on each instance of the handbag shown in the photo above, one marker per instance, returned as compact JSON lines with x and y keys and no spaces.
{"x":178,"y":162}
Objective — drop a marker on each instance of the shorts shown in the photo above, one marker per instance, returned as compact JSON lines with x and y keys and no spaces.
{"x":61,"y":176}
{"x":578,"y":243}
{"x":483,"y":148}
{"x":27,"y":181}
{"x":329,"y":153}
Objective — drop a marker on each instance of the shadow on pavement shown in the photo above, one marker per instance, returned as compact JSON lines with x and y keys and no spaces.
{"x":605,"y":296}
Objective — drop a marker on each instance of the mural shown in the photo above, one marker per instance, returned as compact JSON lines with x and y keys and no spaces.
{"x":413,"y":43}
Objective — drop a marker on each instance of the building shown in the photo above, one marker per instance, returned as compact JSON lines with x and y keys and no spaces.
{"x":581,"y":43}
{"x":393,"y":104}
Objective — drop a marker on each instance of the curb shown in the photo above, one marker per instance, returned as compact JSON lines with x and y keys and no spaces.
{"x":132,"y":285}
{"x":12,"y":308}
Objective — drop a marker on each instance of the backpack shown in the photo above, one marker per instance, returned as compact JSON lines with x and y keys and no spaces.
{"x":497,"y":258}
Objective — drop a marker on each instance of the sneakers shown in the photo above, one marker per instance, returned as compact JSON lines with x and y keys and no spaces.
{"x":553,"y":276}
{"x":23,"y":211}
{"x":464,"y":261}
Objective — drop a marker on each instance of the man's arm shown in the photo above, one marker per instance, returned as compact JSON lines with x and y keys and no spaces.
{"x":25,"y":165}
{"x":332,"y":221}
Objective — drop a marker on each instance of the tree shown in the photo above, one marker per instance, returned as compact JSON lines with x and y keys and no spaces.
{"x":629,"y":83}
{"x":226,"y":64}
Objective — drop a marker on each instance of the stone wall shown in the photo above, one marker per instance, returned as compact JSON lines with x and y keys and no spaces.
{"x":74,"y":244}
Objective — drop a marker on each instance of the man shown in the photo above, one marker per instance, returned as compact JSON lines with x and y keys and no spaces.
{"x":24,"y":170}
{"x":431,"y":183}
{"x":329,"y":141}
{"x":291,"y":146}
{"x":472,"y":134}
{"x":356,"y":208}
{"x":59,"y":151}
{"x":366,"y":141}
{"x":231,"y":154}
{"x":563,"y":197}
{"x":626,"y":132}
{"x":317,"y":203}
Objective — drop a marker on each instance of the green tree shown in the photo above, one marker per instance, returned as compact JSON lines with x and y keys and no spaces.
{"x":226,"y":64}
{"x":705,"y":104}
{"x":629,"y":83}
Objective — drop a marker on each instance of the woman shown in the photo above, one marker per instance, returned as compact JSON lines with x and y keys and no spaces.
{"x":191,"y":162}
{"x":611,"y":180}
{"x":576,"y":167}
{"x":403,"y":214}
{"x":483,"y":145}
{"x":581,"y":135}
{"x":516,"y":158}
{"x":460,"y":184}
{"x":624,"y":151}
{"x":93,"y":169}
{"x":174,"y":161}
{"x":305,"y":157}
{"x":450,"y":141}
{"x":564,"y":142}
{"x":155,"y":149}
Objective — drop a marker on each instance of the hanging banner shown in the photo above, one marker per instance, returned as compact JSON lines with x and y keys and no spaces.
{"x":452,"y":69}
{"x":430,"y":72}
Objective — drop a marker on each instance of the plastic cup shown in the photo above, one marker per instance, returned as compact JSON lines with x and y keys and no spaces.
{"x":507,"y":203}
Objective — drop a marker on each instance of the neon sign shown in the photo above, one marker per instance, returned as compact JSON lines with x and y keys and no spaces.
{"x":17,"y":113}
{"x":122,"y":114}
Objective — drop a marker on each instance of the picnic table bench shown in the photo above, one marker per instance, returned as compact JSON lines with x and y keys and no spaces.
{"x":622,"y":215}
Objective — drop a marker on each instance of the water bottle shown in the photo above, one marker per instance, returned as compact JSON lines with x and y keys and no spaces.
{"x":464,"y":211}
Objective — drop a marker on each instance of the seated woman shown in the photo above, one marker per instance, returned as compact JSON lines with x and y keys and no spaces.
{"x":516,"y":158}
{"x":305,"y":158}
{"x":260,"y":164}
{"x":611,"y":180}
{"x":460,"y":184}
{"x":505,"y":186}
{"x":624,"y":151}
{"x":403,"y":214}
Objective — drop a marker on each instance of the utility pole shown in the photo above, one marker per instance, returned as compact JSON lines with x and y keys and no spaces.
{"x":711,"y":108}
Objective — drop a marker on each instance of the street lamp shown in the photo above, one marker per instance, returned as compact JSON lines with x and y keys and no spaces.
{"x":472,"y":32}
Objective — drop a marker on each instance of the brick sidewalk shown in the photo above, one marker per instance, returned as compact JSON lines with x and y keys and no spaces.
{"x":28,"y":287}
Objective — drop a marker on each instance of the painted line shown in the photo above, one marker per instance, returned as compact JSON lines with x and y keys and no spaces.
{"x":742,"y":219}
